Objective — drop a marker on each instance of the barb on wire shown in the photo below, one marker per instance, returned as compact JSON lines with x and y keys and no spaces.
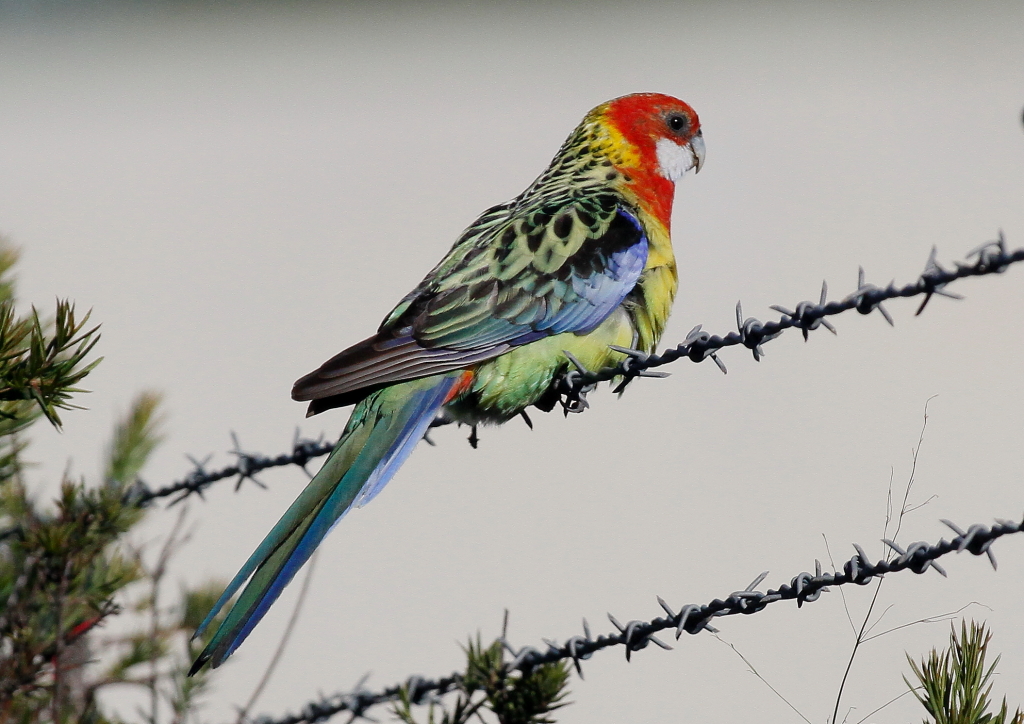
{"x":246,"y":468}
{"x":691,"y":618}
{"x":990,"y":258}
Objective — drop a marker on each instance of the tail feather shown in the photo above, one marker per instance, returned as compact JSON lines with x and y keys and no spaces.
{"x":380,"y":435}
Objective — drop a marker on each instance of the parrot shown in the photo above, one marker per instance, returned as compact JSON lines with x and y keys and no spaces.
{"x":574,"y":270}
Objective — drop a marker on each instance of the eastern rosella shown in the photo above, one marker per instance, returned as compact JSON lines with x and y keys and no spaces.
{"x":578,"y":262}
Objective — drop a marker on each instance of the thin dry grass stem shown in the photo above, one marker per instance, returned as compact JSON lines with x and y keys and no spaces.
{"x":756,"y":673}
{"x":856,"y":647}
{"x":842,"y":593}
{"x":929,"y":619}
{"x":904,"y":508}
{"x":891,"y":701}
{"x":285,"y":637}
{"x":889,"y":553}
{"x":174,"y":541}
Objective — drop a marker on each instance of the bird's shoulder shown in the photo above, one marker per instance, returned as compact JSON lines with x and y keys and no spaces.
{"x":462,"y":253}
{"x":527,"y":247}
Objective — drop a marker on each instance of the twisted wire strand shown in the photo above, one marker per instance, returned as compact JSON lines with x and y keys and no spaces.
{"x":990,"y":258}
{"x":636,"y":635}
{"x":248,"y":465}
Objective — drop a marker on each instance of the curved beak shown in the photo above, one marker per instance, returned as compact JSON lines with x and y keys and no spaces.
{"x":697,"y":149}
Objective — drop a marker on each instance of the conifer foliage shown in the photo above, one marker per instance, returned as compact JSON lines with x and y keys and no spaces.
{"x":64,"y":564}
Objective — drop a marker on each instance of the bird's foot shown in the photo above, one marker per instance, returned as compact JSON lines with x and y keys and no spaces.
{"x":572,"y":395}
{"x":440,"y":420}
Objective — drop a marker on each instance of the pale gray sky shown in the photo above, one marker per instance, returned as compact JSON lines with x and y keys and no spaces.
{"x":241,"y":193}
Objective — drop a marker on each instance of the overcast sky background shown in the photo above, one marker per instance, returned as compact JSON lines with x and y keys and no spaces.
{"x":239,"y":193}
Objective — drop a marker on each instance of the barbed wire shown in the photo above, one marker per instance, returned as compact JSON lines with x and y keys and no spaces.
{"x":636,"y":635}
{"x":752,"y":333}
{"x":248,"y":465}
{"x":360,"y":700}
{"x":573,"y":387}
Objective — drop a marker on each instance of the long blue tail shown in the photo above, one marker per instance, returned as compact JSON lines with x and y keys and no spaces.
{"x":383,"y":430}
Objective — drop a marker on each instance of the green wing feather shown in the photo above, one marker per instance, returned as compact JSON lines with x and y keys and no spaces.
{"x":521,"y":273}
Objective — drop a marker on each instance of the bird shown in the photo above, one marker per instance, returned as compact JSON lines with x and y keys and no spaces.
{"x":579,"y":264}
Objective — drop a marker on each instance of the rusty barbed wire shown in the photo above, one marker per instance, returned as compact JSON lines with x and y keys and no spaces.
{"x":636,"y":635}
{"x":573,"y":387}
{"x":752,"y":333}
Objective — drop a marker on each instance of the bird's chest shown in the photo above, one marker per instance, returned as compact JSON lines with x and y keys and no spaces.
{"x":650,"y":302}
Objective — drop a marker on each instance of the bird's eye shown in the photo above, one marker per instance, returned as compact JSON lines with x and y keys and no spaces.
{"x":676,"y":122}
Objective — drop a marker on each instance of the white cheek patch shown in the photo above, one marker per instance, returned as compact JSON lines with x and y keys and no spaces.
{"x":673,"y":160}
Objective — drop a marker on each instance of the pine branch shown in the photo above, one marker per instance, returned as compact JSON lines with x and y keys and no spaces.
{"x":954,"y":686}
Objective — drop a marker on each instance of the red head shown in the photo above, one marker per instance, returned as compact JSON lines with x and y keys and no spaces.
{"x":652,"y":139}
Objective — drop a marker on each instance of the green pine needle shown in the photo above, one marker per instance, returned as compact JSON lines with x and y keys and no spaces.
{"x":954,"y":686}
{"x":135,"y":438}
{"x":514,"y":697}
